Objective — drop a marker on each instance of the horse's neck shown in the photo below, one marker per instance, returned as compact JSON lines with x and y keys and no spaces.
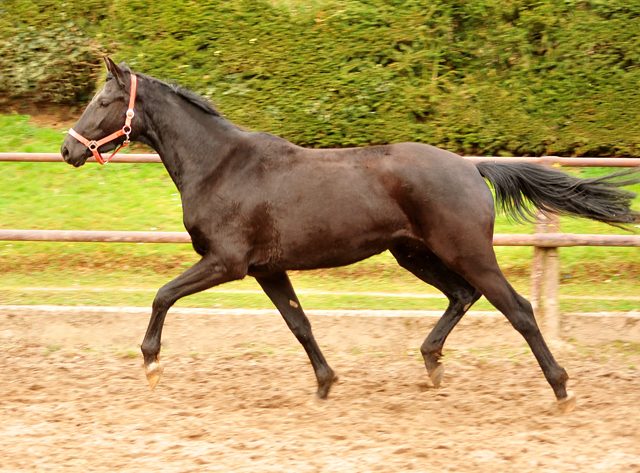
{"x":190,"y":142}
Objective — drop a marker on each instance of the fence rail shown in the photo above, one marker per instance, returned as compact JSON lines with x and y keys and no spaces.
{"x":542,"y":240}
{"x":546,"y":241}
{"x":154,"y":158}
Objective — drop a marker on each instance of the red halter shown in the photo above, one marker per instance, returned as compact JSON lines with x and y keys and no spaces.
{"x":125,"y":130}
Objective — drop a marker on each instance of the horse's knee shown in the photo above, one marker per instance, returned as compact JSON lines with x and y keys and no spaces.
{"x":464,"y":299}
{"x":162,"y":301}
{"x":476,"y":295}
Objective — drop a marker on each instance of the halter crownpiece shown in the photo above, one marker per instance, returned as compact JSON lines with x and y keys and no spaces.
{"x":125,"y":130}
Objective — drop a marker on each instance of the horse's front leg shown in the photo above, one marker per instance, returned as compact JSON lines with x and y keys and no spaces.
{"x":279,"y":289}
{"x":206,"y":273}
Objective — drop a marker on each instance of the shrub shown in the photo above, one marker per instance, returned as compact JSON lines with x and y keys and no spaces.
{"x":59,"y":64}
{"x":489,"y":77}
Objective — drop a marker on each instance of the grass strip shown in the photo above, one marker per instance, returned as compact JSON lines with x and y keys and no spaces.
{"x":143,"y":198}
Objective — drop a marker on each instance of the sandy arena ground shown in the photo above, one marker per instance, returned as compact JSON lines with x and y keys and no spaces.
{"x":238,"y":396}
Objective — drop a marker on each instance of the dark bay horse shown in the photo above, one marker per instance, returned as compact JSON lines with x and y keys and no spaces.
{"x":258,"y":205}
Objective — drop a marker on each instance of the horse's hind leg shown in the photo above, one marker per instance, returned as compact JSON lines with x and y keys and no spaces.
{"x":428,"y":267}
{"x":482,"y":271}
{"x":279,"y":289}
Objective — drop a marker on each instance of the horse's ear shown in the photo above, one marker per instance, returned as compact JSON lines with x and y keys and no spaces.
{"x":115,"y":71}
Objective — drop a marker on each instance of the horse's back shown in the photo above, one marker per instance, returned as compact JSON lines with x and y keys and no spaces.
{"x":423,"y":181}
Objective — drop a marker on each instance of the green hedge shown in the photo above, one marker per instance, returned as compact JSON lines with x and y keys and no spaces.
{"x":44,"y":55}
{"x":487,"y":76}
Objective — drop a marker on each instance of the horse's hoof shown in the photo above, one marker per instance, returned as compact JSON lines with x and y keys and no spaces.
{"x":568,"y":403}
{"x":325,"y":387}
{"x":436,"y":376}
{"x":154,"y":373}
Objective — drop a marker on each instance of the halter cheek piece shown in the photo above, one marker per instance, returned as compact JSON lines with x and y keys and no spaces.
{"x":125,"y":130}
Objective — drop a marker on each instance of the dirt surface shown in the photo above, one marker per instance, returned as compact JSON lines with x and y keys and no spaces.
{"x":74,"y":397}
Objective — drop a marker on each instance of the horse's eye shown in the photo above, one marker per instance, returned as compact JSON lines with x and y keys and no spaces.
{"x":104,"y":103}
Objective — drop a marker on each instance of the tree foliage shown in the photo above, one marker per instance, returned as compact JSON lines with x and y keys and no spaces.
{"x":496,"y":77}
{"x":43,"y":55}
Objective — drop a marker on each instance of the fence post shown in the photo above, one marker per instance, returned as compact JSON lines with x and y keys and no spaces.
{"x":552,"y":283}
{"x":545,"y":272}
{"x":537,"y":266}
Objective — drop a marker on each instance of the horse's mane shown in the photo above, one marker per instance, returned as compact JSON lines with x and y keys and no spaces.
{"x":191,"y":97}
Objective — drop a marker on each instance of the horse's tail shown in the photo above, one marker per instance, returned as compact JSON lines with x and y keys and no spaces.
{"x":522,"y":187}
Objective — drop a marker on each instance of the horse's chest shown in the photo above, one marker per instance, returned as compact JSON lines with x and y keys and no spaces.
{"x":238,"y":228}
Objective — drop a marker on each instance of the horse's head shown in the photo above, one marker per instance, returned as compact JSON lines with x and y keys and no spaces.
{"x":104,"y":116}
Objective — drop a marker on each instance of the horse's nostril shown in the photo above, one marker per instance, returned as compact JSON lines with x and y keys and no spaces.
{"x":65,"y":154}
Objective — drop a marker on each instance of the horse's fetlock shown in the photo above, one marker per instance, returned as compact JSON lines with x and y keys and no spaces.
{"x":149,"y":357}
{"x":431,"y":351}
{"x":561,"y":376}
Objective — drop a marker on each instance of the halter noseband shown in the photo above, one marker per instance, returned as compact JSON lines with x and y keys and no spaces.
{"x":125,"y":130}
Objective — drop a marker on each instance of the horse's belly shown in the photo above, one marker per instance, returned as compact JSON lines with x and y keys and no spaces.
{"x":338,"y":243}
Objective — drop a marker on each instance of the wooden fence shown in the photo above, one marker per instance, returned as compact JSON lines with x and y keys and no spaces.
{"x":546,"y":240}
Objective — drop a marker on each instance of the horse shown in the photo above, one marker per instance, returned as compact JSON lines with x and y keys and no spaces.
{"x":258,"y":205}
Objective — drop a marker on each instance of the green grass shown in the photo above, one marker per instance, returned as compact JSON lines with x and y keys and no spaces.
{"x":18,"y":136}
{"x":142,"y":197}
{"x":222,"y":300}
{"x":52,"y":348}
{"x":626,"y":348}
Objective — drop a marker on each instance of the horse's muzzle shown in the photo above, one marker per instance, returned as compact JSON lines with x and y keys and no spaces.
{"x":76,"y":158}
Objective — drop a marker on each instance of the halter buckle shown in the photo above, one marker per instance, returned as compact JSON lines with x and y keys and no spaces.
{"x":126,"y":130}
